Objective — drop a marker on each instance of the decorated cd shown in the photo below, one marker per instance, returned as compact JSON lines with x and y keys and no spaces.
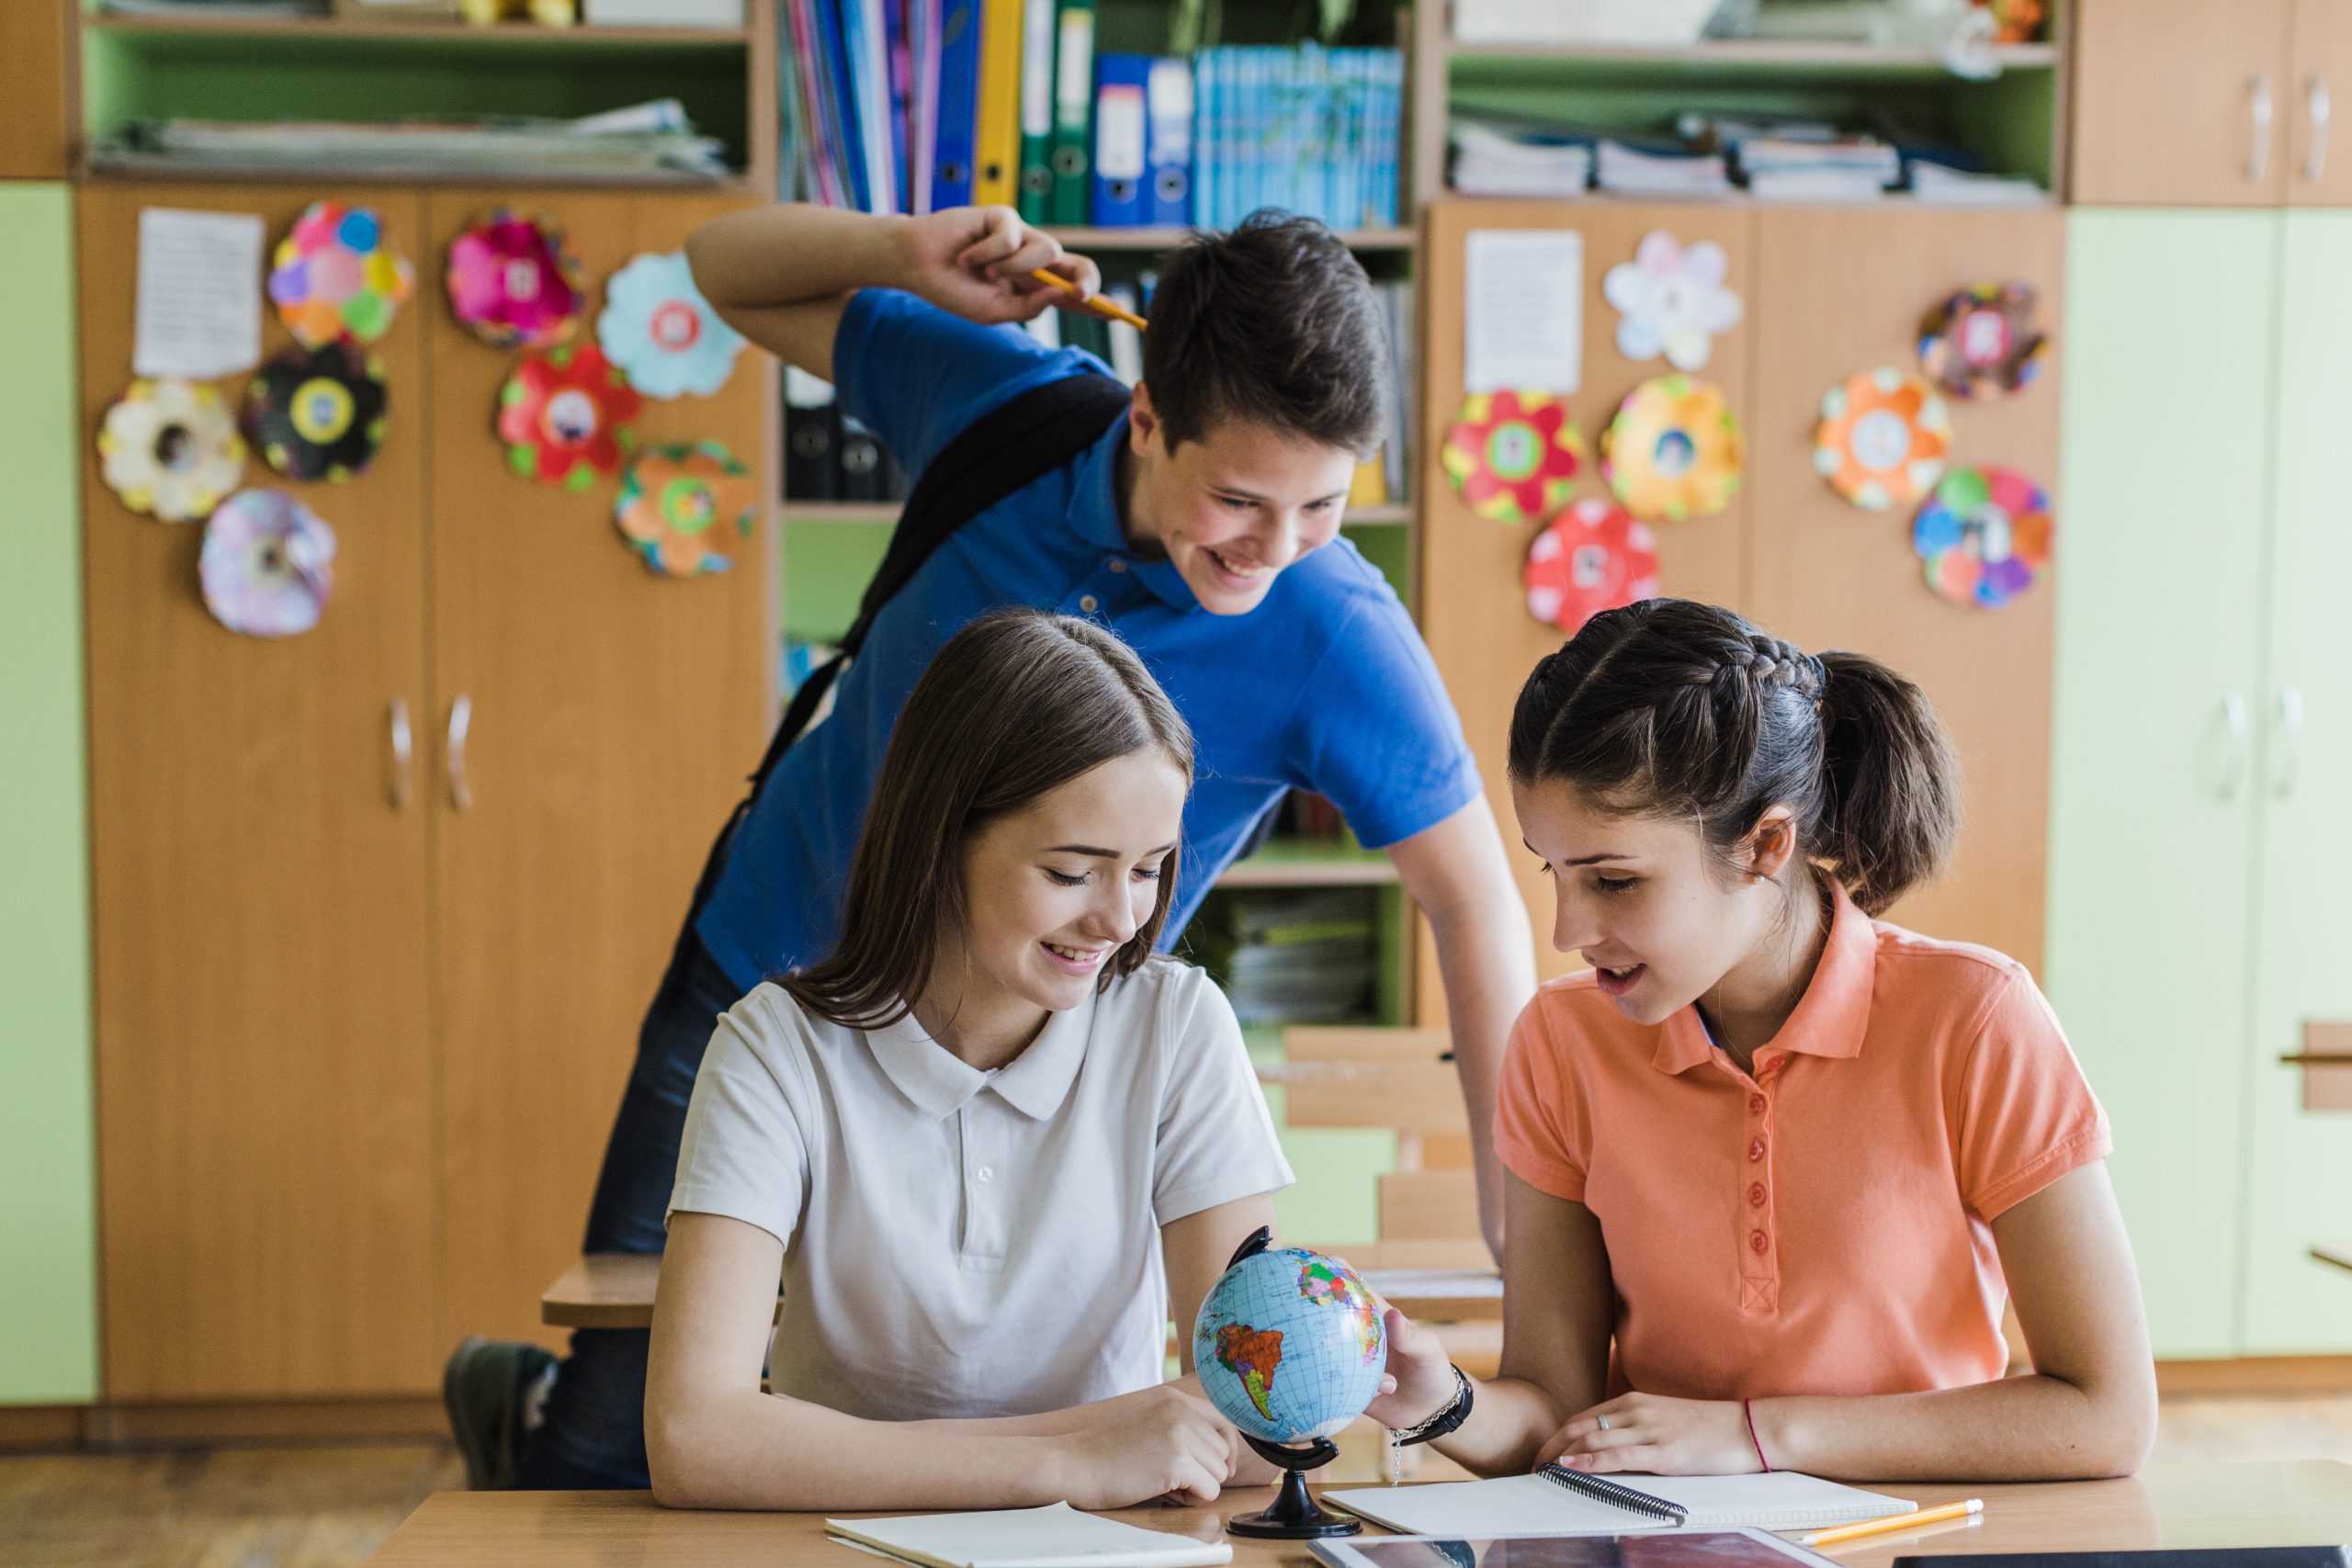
{"x":318,"y":413}
{"x":267,"y":565}
{"x":658,"y":328}
{"x":336,"y":275}
{"x":1882,"y":439}
{"x":1674,"y":450}
{"x":1985,"y":536}
{"x":1983,"y":341}
{"x":170,"y":449}
{"x":678,"y":504}
{"x":514,"y":281}
{"x":1595,"y":555}
{"x":565,"y":417}
{"x":1514,"y":457}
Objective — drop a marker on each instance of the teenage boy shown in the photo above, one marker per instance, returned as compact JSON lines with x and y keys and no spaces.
{"x":1201,"y":524}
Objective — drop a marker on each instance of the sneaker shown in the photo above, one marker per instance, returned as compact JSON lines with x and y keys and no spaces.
{"x":487,"y":1387}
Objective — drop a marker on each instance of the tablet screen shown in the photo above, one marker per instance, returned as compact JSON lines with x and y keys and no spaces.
{"x":1722,"y":1548}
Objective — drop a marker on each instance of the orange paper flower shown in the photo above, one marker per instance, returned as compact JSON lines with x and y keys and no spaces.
{"x":673,"y":500}
{"x":1882,"y":438}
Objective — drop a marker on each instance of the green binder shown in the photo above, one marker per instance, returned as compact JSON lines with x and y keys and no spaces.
{"x":1073,"y":113}
{"x":1036,"y":187}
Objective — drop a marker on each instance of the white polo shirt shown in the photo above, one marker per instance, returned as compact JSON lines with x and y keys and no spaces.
{"x":965,"y":1244}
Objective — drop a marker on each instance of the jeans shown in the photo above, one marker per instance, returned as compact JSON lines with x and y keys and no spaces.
{"x":593,"y":1436}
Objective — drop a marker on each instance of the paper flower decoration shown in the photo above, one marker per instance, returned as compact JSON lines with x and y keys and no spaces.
{"x":1671,"y":300}
{"x":171,"y":448}
{"x":564,"y":417}
{"x":1985,"y":536}
{"x":657,"y":327}
{"x":1983,"y":341}
{"x":1593,"y":557}
{"x":267,"y":565}
{"x":334,"y":276}
{"x":675,"y":500}
{"x":318,"y":413}
{"x":514,"y":281}
{"x":1674,"y":450}
{"x":1514,"y":457}
{"x":1882,"y":438}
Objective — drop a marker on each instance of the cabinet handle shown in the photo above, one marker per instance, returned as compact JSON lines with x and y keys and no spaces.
{"x":2317,"y":109}
{"x":2291,"y":741}
{"x":461,"y":724}
{"x":403,"y":754}
{"x":2257,"y":158}
{"x":2234,"y":728}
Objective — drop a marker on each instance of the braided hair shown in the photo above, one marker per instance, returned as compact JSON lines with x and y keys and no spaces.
{"x":1673,"y":709}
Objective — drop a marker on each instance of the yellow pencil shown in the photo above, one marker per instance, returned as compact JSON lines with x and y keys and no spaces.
{"x":1109,"y":309}
{"x":1894,"y":1522}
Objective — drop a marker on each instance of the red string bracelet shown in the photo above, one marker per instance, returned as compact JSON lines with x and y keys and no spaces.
{"x":1749,"y":1415}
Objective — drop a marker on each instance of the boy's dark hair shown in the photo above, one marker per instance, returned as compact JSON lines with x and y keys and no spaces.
{"x":1671,"y":708}
{"x":1274,"y":323}
{"x":1018,"y":703}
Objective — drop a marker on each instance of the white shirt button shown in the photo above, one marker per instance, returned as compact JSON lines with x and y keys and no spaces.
{"x":986,"y":1173}
{"x":1087,"y":604}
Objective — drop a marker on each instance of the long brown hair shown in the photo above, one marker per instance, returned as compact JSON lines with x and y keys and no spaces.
{"x":1673,"y":709}
{"x":1017,"y":703}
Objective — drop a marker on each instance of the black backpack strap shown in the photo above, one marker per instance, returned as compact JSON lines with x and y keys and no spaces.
{"x":1005,"y":450}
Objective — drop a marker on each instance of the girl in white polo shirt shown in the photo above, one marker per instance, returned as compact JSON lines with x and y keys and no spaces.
{"x":967,"y":1139}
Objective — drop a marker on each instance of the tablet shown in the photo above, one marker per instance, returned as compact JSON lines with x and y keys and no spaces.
{"x":1692,"y":1549}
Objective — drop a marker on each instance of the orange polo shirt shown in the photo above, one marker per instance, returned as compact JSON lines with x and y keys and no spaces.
{"x":1821,"y":1227}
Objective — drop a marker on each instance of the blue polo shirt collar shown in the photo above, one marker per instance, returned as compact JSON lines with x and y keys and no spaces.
{"x":1093,"y":516}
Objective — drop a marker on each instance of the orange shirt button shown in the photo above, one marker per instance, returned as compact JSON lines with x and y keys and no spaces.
{"x":1756,"y":1104}
{"x":1755,"y":1195}
{"x":1755,"y":1149}
{"x":1756,"y":1242}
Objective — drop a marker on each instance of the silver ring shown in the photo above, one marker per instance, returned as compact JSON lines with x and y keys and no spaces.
{"x":1604,"y":1423}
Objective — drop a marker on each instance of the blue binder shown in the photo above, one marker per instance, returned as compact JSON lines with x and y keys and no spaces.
{"x":1168,"y":108}
{"x":1121,"y":173}
{"x":959,"y":106}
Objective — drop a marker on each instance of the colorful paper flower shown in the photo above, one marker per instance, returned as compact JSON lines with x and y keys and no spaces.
{"x":564,"y":417}
{"x":657,"y":327}
{"x":334,"y":276}
{"x":1985,"y":536}
{"x":1671,"y":300}
{"x":514,"y":281}
{"x":675,"y":500}
{"x":1882,"y":438}
{"x":1983,"y":341}
{"x":170,"y":449}
{"x":1593,"y":557}
{"x":1514,"y":457}
{"x":1674,"y":450}
{"x":318,"y":413}
{"x":267,"y":564}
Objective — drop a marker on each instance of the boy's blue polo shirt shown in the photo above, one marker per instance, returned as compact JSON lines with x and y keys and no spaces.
{"x":1325,"y":685}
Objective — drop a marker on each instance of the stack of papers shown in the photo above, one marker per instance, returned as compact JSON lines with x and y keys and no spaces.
{"x":1492,"y":162}
{"x":1850,"y":169}
{"x":1629,"y":171}
{"x":1949,"y":187}
{"x":1055,"y":1537}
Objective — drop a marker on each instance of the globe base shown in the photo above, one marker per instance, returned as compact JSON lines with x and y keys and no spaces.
{"x":1296,"y":1515}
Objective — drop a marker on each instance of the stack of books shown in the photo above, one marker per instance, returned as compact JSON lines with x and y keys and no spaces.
{"x":1491,"y":159}
{"x":1309,"y":131}
{"x":1854,"y":168}
{"x":1308,"y":956}
{"x":1650,"y":169}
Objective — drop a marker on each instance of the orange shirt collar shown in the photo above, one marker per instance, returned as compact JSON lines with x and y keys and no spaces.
{"x":1831,"y":1016}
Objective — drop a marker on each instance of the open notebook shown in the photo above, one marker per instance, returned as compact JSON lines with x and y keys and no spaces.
{"x":1555,"y":1501}
{"x":1058,"y":1536}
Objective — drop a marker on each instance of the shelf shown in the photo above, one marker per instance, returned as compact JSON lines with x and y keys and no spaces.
{"x":437,"y":32}
{"x":102,"y":169}
{"x":1712,"y":59}
{"x":1311,"y":863}
{"x":1387,"y":513}
{"x":1169,"y":238}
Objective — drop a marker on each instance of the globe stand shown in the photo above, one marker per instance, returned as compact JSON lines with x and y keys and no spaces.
{"x":1294,"y":1516}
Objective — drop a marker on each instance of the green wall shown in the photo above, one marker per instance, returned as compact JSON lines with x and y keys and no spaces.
{"x":49,"y":1353}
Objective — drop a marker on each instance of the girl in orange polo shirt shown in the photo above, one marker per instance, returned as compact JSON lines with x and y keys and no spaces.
{"x":1776,"y":1163}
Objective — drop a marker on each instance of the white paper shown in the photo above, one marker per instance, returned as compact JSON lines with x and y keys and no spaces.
{"x":1056,"y":1536}
{"x":199,"y":294}
{"x":1523,"y":311}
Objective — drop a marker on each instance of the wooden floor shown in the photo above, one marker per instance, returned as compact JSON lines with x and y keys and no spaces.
{"x":328,"y":1507}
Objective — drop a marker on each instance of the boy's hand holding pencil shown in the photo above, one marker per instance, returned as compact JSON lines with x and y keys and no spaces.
{"x":987,"y":265}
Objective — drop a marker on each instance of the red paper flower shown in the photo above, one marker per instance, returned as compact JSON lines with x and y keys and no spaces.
{"x":1514,"y":458}
{"x":564,"y":417}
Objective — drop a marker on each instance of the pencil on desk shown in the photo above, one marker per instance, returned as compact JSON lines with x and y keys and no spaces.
{"x":1095,"y":302}
{"x":1894,"y":1522}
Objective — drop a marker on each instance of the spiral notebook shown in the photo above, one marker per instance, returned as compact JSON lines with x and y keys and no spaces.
{"x":1553,"y":1501}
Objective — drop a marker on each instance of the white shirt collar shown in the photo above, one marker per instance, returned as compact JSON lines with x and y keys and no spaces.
{"x":940,"y":1083}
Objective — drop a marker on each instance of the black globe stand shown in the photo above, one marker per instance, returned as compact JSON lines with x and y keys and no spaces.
{"x":1296,"y":1516}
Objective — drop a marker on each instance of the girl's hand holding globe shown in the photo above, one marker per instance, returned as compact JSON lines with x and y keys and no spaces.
{"x":1420,"y":1376}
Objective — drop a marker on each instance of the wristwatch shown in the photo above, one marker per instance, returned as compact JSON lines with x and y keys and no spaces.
{"x":1450,"y":1418}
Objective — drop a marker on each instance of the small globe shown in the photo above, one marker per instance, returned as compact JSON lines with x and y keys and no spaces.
{"x":1289,"y":1344}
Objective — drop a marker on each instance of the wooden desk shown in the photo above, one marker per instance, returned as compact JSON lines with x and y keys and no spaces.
{"x":2216,"y":1505}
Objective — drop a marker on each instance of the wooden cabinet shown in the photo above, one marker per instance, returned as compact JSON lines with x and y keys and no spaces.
{"x":352,"y":1040}
{"x":2195,"y":904}
{"x":35,"y":40}
{"x":1828,"y":292}
{"x":2210,"y":103}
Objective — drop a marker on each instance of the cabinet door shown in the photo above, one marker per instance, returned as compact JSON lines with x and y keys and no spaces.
{"x":1473,"y":604}
{"x":614,"y":716}
{"x":265,"y":1065}
{"x":2180,"y":102}
{"x":2319,"y":170}
{"x":2167,"y":436}
{"x":34,"y":38}
{"x":2301,"y":1161}
{"x":1840,"y":290}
